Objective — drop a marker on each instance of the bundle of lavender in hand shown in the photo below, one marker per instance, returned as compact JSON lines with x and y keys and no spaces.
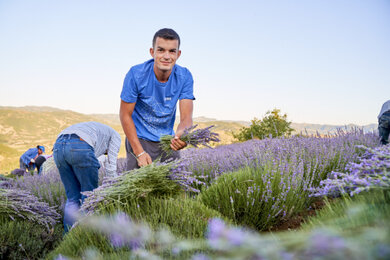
{"x":193,"y":137}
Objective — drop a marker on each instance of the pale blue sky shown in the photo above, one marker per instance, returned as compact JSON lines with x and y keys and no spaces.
{"x":318,"y":61}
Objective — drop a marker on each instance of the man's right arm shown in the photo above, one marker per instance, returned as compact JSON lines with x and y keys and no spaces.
{"x":125,"y":114}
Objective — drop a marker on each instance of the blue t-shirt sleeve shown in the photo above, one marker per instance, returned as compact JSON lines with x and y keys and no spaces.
{"x":129,"y":91}
{"x":29,"y":154}
{"x":188,"y":88}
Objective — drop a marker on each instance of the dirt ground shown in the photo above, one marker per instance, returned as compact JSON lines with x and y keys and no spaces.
{"x":296,"y":221}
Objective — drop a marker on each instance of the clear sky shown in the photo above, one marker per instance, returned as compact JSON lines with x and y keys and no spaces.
{"x":324,"y":62}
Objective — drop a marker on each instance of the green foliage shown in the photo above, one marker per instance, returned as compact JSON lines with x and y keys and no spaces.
{"x":48,"y":188}
{"x":26,"y":240}
{"x":185,"y":218}
{"x":349,"y":214}
{"x":252,"y":198}
{"x":273,"y":124}
{"x":80,"y":239}
{"x":366,"y":240}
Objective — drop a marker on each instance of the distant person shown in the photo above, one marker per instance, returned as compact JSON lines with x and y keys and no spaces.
{"x":75,"y":155}
{"x":27,"y":160}
{"x":149,"y":96}
{"x":40,"y":160}
{"x":384,"y":123}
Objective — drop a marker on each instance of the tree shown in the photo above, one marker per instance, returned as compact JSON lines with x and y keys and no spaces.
{"x":273,"y":124}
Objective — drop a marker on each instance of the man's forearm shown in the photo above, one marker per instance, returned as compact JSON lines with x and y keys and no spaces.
{"x":131,"y":134}
{"x":184,"y":124}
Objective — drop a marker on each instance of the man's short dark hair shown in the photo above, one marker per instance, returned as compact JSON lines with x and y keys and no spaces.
{"x":167,"y":34}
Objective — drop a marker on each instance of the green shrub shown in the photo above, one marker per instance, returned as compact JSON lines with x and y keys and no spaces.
{"x":26,"y":240}
{"x":47,"y":188}
{"x":185,"y":218}
{"x":350,"y":213}
{"x":78,"y":240}
{"x":254,"y":198}
{"x":225,"y":242}
{"x":273,"y":124}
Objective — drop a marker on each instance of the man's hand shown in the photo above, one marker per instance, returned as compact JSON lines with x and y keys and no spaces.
{"x":144,"y":160}
{"x":32,"y":161}
{"x":177,"y":144}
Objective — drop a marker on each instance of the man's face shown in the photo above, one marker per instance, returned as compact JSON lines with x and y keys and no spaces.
{"x":165,"y":54}
{"x":40,"y":151}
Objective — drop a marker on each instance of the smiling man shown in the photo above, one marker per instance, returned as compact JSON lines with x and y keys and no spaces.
{"x":149,"y":96}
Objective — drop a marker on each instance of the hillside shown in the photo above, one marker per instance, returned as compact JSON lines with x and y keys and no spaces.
{"x":25,"y":127}
{"x":329,"y":129}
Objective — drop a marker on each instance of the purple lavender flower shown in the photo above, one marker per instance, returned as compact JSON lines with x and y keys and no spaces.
{"x":16,"y":203}
{"x":192,"y":137}
{"x":216,"y":228}
{"x":372,"y":172}
{"x":120,"y":229}
{"x":61,"y":257}
{"x":200,"y":257}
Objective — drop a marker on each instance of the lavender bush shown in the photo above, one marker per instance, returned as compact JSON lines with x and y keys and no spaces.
{"x":371,"y":172}
{"x":16,"y":203}
{"x":138,"y":241}
{"x":312,"y":157}
{"x":5,"y":182}
{"x":47,"y":187}
{"x":192,"y":137}
{"x":253,"y":198}
{"x":274,"y":177}
{"x":185,"y":218}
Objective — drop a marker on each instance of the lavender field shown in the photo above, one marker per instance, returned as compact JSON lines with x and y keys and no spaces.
{"x":216,"y":203}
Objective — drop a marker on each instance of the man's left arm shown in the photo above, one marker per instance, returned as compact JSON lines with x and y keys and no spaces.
{"x":112,"y":153}
{"x":186,"y":108}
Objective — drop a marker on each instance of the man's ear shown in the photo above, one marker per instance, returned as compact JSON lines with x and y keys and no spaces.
{"x":151,"y":50}
{"x":178,"y":54}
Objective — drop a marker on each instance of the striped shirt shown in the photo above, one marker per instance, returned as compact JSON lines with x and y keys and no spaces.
{"x":102,"y":138}
{"x":385,"y":108}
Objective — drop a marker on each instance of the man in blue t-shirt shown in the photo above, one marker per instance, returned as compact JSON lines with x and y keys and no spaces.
{"x":27,"y":160}
{"x":149,"y":96}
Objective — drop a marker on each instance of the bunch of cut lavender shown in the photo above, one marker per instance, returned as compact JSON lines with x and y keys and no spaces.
{"x":154,"y":180}
{"x":5,"y":182}
{"x":373,"y":172}
{"x":193,"y":137}
{"x":16,"y":203}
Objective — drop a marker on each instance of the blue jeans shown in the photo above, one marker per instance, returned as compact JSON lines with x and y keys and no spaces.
{"x":384,"y":127}
{"x":78,"y":167}
{"x":25,"y":167}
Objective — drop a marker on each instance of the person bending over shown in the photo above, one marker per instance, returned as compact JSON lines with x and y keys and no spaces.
{"x":27,"y":160}
{"x":75,"y":154}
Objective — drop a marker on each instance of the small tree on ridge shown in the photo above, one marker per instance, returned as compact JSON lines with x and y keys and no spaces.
{"x":273,"y":124}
